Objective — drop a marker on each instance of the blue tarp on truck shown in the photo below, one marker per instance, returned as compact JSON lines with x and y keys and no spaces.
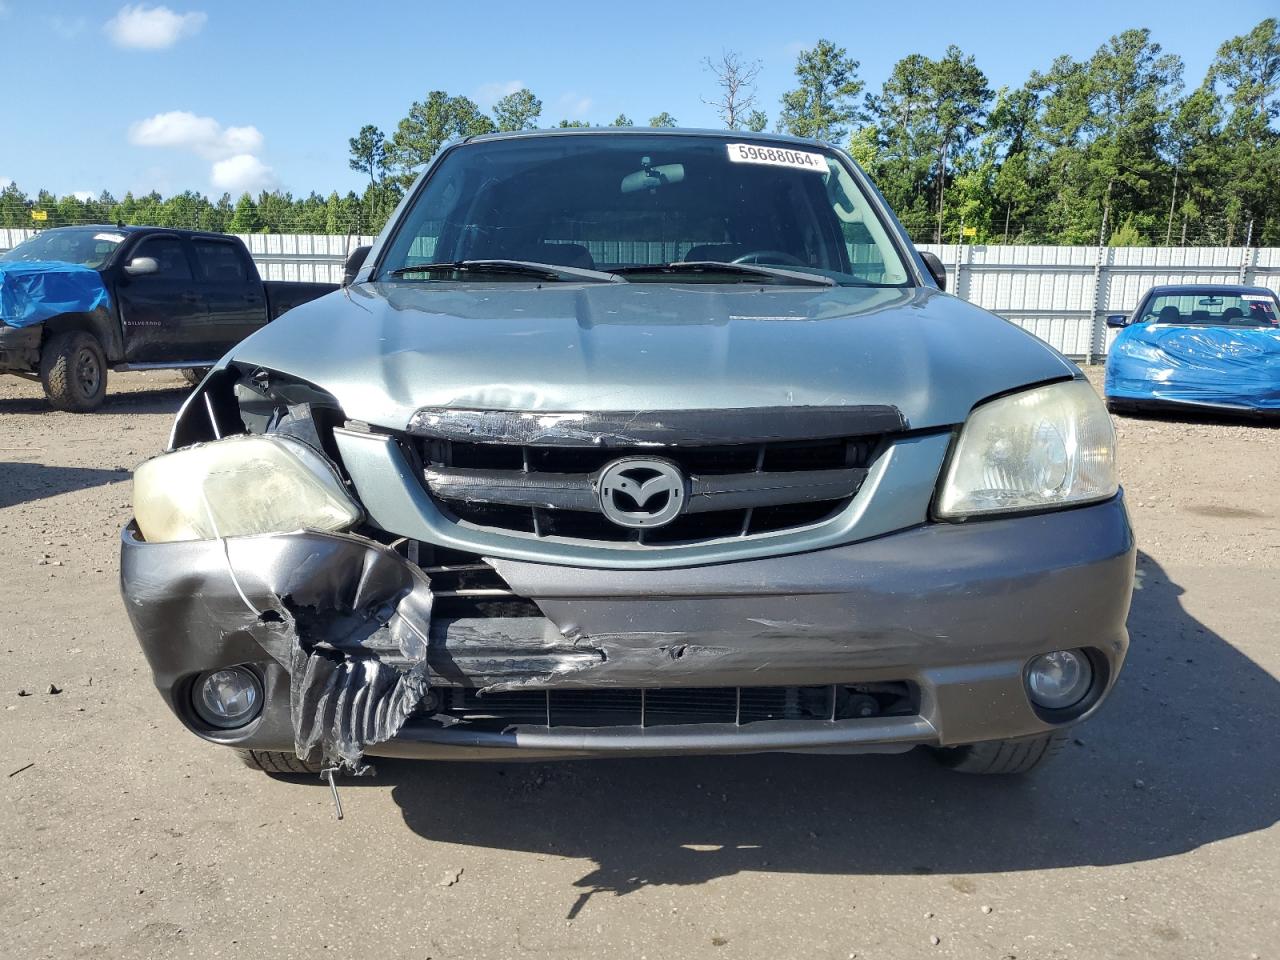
{"x":1220,"y":366}
{"x":32,"y":291}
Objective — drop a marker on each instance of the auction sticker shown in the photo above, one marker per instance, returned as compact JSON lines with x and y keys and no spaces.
{"x":777,"y":157}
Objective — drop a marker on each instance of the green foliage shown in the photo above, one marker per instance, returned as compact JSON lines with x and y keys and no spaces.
{"x":369,"y":152}
{"x":429,"y":124}
{"x":824,"y":105}
{"x":1127,"y":235}
{"x":757,"y":121}
{"x":517,"y":111}
{"x":622,"y":120}
{"x":572,"y":124}
{"x":663,"y":119}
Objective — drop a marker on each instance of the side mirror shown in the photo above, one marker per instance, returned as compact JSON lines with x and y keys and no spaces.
{"x":355,"y":260}
{"x":142,"y":266}
{"x":1118,"y":320}
{"x":935,"y":268}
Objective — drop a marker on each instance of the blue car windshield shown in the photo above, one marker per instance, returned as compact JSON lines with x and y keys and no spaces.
{"x":627,"y":202}
{"x":1212,"y":308}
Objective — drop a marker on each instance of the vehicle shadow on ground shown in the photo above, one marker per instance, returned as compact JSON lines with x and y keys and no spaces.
{"x":156,"y":400}
{"x":24,"y":482}
{"x":1185,"y":754}
{"x":1206,"y":418}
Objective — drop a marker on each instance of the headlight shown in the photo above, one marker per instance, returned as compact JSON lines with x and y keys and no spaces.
{"x":1042,"y":448}
{"x":239,"y":486}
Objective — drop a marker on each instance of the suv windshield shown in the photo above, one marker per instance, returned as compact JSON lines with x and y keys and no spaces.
{"x":1213,"y":308}
{"x":618,"y":202}
{"x":87,"y":246}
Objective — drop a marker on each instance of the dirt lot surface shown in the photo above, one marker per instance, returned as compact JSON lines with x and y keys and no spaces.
{"x":121,"y":835}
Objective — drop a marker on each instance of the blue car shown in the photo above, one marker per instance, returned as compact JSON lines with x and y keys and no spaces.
{"x":1211,"y":346}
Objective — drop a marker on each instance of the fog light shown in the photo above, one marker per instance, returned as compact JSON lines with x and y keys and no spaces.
{"x":227,"y":698}
{"x":1060,"y":679}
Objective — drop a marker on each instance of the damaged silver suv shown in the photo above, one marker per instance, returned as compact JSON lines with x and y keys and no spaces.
{"x":633,"y":442}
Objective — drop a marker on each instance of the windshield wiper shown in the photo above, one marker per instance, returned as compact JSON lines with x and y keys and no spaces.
{"x":521,"y":268}
{"x":743,"y":269}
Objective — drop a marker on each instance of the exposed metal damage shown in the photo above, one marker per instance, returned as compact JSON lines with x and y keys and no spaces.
{"x":656,"y":427}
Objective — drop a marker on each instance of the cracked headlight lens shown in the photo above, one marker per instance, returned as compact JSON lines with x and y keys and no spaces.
{"x":239,"y":486}
{"x":1051,"y":446}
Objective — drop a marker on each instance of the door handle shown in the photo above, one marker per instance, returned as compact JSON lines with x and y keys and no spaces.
{"x":189,"y":297}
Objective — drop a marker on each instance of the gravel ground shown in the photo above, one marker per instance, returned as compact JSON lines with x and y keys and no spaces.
{"x":1155,"y":834}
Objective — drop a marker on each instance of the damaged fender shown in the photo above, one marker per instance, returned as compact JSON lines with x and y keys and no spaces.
{"x":346,"y":619}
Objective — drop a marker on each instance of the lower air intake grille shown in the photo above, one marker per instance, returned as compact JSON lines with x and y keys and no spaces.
{"x":675,"y":706}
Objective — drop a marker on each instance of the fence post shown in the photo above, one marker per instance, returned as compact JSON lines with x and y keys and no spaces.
{"x":1248,"y":258}
{"x":1098,"y":287}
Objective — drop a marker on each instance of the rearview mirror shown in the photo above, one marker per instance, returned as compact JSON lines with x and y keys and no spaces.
{"x":1118,"y":320}
{"x":355,"y":260}
{"x":652,"y":177}
{"x":141,"y":266}
{"x":935,"y":268}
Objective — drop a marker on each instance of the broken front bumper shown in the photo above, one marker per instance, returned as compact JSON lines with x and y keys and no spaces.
{"x":954,"y":610}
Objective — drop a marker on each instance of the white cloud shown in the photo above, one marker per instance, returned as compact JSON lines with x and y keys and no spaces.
{"x":490,"y":93}
{"x":574,"y":107}
{"x":140,"y":27}
{"x":203,"y":135}
{"x":84,"y":196}
{"x":242,"y":173}
{"x":232,"y":150}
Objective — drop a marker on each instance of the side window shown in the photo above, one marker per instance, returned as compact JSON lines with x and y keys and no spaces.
{"x":219,"y":262}
{"x":168,"y":252}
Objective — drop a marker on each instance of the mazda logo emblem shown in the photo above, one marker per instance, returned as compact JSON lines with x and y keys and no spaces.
{"x":641,"y":492}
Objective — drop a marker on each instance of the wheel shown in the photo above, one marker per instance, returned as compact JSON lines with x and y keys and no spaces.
{"x":193,"y":375}
{"x":278,"y":762}
{"x":73,"y":371}
{"x":1002,"y":756}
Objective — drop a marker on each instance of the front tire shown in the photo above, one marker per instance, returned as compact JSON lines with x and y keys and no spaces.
{"x":73,"y":371}
{"x":278,"y":763}
{"x":1002,"y":757}
{"x":193,"y":375}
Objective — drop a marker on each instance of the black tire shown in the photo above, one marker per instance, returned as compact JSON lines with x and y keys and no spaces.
{"x":73,"y":371}
{"x":278,"y":763}
{"x":1002,"y":756}
{"x":193,"y":375}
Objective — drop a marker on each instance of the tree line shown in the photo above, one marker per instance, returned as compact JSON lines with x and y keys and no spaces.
{"x":1114,"y":148}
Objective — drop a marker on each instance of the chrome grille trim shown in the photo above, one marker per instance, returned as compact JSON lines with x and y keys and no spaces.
{"x":567,"y":491}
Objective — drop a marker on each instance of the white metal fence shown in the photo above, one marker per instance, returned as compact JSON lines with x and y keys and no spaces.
{"x":1064,"y":294}
{"x":1061,"y":294}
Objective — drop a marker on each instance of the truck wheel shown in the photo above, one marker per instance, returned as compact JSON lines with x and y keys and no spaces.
{"x":278,"y":762}
{"x":1002,"y":756}
{"x":193,"y":375}
{"x":73,"y":371}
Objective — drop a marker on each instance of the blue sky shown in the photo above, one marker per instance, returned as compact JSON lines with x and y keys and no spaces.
{"x":225,"y":94}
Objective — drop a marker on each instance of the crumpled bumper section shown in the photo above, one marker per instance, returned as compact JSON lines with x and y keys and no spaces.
{"x":342,"y":620}
{"x":353,"y":662}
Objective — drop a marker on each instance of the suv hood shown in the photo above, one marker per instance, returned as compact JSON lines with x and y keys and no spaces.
{"x":385,"y":350}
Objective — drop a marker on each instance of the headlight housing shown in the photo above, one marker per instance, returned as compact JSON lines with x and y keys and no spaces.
{"x":1050,"y":446}
{"x":239,"y":486}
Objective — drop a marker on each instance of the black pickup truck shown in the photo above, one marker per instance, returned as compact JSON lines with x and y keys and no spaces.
{"x":168,"y":299}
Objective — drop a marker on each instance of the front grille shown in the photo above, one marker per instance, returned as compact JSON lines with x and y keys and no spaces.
{"x":674,"y":706}
{"x":550,"y":490}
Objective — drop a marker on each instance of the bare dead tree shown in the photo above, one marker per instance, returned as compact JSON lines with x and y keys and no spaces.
{"x":736,"y":78}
